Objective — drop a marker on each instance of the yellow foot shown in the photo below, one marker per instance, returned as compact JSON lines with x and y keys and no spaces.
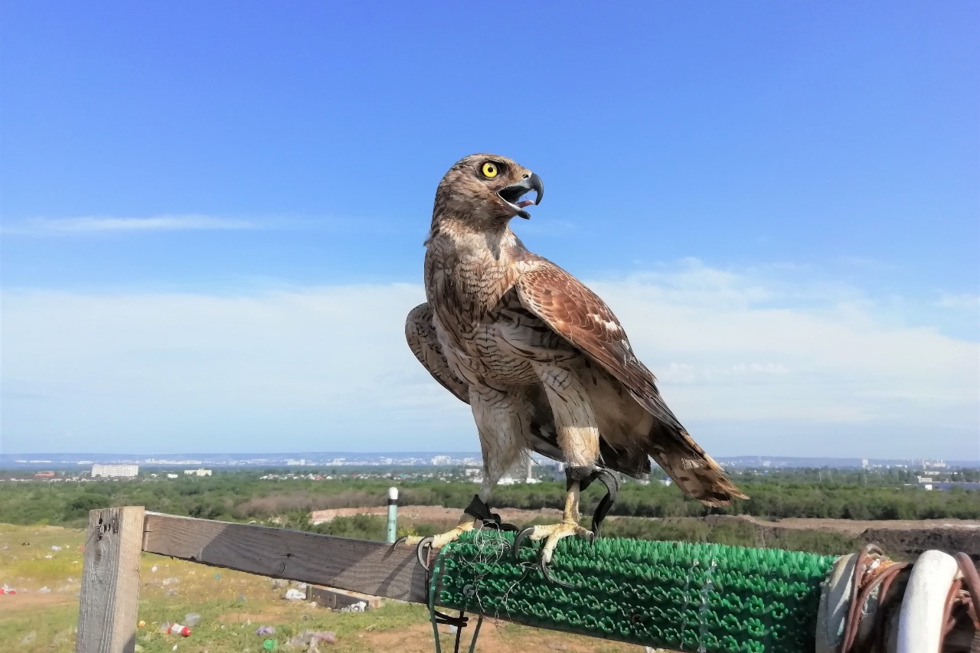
{"x":551,"y":534}
{"x":424,"y":544}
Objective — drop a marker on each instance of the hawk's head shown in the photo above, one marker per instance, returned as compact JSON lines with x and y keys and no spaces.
{"x":487,"y":189}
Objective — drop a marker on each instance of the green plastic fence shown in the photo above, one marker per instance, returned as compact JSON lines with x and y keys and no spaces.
{"x":687,"y":597}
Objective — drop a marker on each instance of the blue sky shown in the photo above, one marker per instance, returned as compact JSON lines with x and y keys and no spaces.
{"x":213,"y":214}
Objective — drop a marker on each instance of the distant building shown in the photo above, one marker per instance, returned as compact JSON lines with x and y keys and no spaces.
{"x":197,"y":472}
{"x":44,"y":475}
{"x":115,"y":471}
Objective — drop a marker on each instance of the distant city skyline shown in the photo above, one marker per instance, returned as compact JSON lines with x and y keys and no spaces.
{"x":231,"y":461}
{"x":213,"y":215}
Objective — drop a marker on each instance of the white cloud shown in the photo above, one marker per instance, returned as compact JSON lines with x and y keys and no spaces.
{"x":746,"y":361}
{"x":92,"y":224}
{"x":960,"y":302}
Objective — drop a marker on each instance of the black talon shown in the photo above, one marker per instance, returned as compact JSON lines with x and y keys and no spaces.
{"x":424,"y":558}
{"x":520,"y":539}
{"x":548,"y":577}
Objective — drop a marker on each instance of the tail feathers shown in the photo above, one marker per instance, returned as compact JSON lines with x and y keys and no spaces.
{"x":694,"y":471}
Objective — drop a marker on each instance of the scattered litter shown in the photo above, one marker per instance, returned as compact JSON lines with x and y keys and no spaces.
{"x":177,"y":629}
{"x":360,"y":606}
{"x":55,"y":547}
{"x":242,"y":598}
{"x":154,"y":569}
{"x":31,"y":636}
{"x":192,"y":619}
{"x":48,"y":557}
{"x":295,"y":595}
{"x":44,"y":590}
{"x":311,"y":638}
{"x":217,"y":576}
{"x":173,"y":580}
{"x":141,"y":624}
{"x":7,"y":589}
{"x":266,"y":630}
{"x":270,"y":645}
{"x":325,"y":637}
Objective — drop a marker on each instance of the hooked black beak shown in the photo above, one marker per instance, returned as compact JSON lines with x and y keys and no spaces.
{"x":512,"y":194}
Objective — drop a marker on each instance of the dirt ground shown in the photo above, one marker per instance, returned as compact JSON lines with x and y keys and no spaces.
{"x":495,"y":637}
{"x":903,"y":538}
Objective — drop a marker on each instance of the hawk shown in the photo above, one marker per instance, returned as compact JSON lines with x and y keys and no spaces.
{"x":542,"y":361}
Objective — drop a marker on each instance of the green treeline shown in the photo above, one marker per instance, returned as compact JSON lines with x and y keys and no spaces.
{"x":243,"y":496}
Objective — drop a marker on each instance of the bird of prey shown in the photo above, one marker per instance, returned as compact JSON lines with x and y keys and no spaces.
{"x":541,"y":360}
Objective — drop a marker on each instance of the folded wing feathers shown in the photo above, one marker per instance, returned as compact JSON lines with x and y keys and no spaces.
{"x":421,"y":336}
{"x":581,"y":317}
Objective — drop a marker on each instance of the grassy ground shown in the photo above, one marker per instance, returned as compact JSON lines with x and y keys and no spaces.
{"x":44,"y":565}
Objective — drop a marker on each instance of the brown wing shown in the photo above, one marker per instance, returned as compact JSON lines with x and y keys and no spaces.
{"x":577,"y":314}
{"x":580,"y":316}
{"x":421,"y":336}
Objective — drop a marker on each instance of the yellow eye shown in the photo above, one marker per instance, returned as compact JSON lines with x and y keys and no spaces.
{"x":489,"y":170}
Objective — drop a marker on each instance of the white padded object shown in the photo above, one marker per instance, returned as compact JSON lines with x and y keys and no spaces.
{"x":920,"y":624}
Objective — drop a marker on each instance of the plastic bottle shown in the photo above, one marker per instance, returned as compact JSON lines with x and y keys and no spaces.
{"x":179,"y":629}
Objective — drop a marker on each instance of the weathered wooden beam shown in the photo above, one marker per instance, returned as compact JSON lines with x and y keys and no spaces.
{"x":362,"y":566}
{"x":333,"y":598}
{"x":110,"y":581}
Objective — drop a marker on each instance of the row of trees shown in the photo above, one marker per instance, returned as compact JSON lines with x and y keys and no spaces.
{"x":242,"y":496}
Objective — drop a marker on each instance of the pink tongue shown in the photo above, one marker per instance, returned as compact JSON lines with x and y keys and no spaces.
{"x":524,"y":203}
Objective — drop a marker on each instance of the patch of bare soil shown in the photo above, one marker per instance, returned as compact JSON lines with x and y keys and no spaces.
{"x":28,"y":601}
{"x":495,"y":637}
{"x":430,"y":514}
{"x":904,"y":539}
{"x":856,"y":527}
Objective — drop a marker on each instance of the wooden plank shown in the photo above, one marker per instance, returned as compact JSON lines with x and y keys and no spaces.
{"x":110,"y":581}
{"x":333,"y":598}
{"x":358,"y":565}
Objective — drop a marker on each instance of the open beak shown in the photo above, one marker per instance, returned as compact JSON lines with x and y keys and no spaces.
{"x":514,"y":194}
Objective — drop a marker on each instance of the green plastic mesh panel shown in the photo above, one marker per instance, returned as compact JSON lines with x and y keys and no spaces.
{"x":686,"y":597}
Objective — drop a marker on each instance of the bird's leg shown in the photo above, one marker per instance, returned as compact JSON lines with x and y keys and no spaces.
{"x":477,"y":512}
{"x":498,"y":419}
{"x":553,"y":533}
{"x":423,"y":544}
{"x":480,"y":512}
{"x":578,"y":438}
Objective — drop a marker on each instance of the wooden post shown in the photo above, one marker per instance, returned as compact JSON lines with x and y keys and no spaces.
{"x":110,"y":581}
